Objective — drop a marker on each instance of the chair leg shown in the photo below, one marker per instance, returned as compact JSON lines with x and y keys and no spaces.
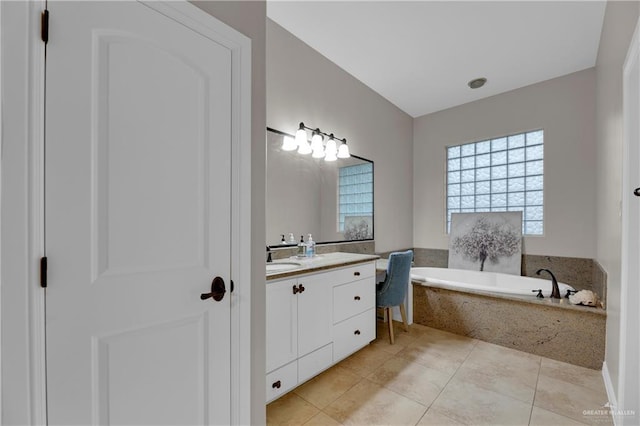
{"x":404,"y":317}
{"x":390,"y":321}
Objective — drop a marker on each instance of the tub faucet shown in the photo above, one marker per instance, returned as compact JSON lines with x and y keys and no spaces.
{"x":269,"y":255}
{"x":555,"y":290}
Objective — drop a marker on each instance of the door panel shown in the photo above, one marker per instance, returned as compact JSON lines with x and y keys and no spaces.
{"x":142,"y":353}
{"x":133,"y":149}
{"x":137,"y":218}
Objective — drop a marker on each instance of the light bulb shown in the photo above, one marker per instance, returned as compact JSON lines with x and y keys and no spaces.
{"x":331,"y":148}
{"x":288,"y":143}
{"x":330,"y":157}
{"x":316,"y":142}
{"x":301,"y":137}
{"x":343,"y":151}
{"x":304,"y":148}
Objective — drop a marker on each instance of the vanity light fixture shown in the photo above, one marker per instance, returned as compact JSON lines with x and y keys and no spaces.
{"x":329,"y":151}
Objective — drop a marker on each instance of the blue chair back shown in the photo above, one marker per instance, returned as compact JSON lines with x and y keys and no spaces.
{"x":394,"y":288}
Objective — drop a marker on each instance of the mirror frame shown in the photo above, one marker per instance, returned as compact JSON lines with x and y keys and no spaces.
{"x":373,"y":180}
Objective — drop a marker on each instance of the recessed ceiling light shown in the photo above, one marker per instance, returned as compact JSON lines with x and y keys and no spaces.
{"x":477,"y":83}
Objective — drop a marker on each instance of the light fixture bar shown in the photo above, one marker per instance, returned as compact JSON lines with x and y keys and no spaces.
{"x":317,"y":130}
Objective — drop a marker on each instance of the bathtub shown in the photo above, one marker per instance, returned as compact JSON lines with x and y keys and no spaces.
{"x":491,"y":282}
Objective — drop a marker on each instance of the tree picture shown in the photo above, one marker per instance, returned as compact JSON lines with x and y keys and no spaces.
{"x":487,"y":240}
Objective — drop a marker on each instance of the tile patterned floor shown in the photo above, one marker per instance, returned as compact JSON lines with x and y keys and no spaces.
{"x":431,"y":377}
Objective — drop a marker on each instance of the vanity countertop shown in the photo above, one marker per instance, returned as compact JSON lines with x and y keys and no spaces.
{"x":320,"y":262}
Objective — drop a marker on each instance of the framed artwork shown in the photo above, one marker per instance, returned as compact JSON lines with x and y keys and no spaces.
{"x":489,"y":241}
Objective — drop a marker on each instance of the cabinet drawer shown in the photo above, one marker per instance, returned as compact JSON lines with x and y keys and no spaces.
{"x":353,"y":298}
{"x":353,"y":334}
{"x":351,"y":273}
{"x":315,"y":362}
{"x":282,"y":380}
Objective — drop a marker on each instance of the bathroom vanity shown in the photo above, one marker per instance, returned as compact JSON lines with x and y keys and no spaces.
{"x":319,"y":311}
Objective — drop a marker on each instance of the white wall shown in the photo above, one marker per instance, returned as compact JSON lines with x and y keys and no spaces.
{"x":619,"y":24}
{"x":565,"y":108}
{"x":303,"y":85}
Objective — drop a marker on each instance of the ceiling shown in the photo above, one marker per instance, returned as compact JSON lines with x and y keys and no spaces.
{"x":420,"y":54}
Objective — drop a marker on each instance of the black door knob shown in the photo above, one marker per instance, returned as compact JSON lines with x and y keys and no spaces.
{"x":637,"y":192}
{"x":217,"y":290}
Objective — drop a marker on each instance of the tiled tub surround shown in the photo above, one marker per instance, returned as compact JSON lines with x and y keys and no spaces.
{"x":556,"y":330}
{"x":580,"y":273}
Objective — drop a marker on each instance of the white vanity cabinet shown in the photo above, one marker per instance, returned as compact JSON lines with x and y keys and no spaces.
{"x":299,"y":331}
{"x":314,"y":320}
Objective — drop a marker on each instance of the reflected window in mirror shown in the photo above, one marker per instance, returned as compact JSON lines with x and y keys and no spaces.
{"x":355,"y":208}
{"x":306,"y":195}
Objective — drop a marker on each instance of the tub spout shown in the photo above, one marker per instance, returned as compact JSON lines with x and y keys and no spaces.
{"x":555,"y":290}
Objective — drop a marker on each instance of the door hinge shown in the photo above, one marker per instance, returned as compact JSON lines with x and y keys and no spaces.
{"x":43,"y":272}
{"x":44,"y":26}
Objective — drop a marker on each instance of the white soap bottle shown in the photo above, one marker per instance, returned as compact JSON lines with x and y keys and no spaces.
{"x":311,"y":247}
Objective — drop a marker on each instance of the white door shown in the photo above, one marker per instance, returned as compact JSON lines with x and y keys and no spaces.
{"x":629,"y":379}
{"x":138,"y":144}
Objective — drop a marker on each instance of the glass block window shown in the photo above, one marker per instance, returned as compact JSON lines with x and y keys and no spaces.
{"x":497,"y":175}
{"x":355,"y":192}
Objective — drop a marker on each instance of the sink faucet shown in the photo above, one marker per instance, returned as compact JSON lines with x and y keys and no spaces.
{"x":269,"y":254}
{"x":555,"y":290}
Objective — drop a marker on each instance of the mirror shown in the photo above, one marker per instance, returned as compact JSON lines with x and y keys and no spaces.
{"x":333,"y":201}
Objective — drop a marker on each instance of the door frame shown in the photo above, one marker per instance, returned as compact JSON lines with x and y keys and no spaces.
{"x":628,"y":303}
{"x":22,"y":204}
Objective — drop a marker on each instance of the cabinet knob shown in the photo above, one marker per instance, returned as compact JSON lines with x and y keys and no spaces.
{"x":356,"y":273}
{"x":300,"y":288}
{"x":295,"y":289}
{"x":356,"y":298}
{"x":357,"y":332}
{"x":276,"y":385}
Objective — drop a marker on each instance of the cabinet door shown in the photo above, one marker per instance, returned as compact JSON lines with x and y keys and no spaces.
{"x":315,"y":312}
{"x":282,"y":324}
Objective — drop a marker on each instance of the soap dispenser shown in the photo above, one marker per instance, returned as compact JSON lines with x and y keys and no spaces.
{"x":292,"y":239}
{"x":282,"y":241}
{"x":302,"y":247}
{"x":311,"y":247}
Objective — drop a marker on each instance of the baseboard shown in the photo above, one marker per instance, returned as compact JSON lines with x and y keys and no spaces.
{"x":611,"y":394}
